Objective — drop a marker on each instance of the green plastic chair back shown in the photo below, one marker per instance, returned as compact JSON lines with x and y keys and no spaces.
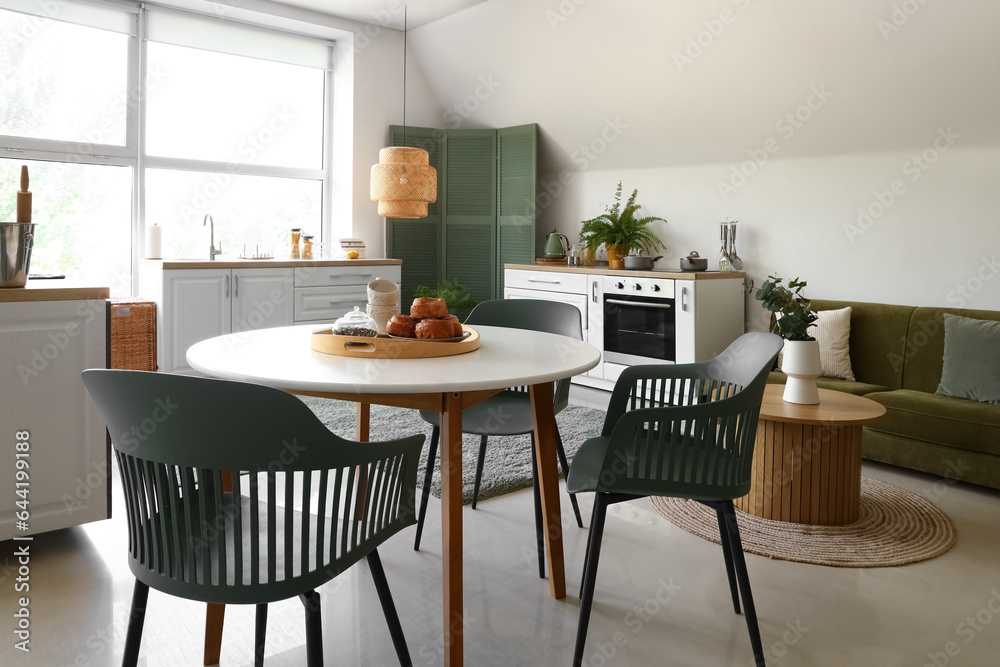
{"x":294,"y":518}
{"x":535,"y":315}
{"x":688,"y":430}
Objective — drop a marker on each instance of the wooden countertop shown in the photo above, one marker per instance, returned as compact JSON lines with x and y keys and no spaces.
{"x":603,"y":270}
{"x":235,"y":263}
{"x":53,"y":290}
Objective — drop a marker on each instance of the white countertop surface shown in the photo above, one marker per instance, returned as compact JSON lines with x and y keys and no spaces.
{"x":283,"y":358}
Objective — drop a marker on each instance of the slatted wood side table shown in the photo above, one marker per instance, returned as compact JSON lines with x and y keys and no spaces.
{"x":807,"y":459}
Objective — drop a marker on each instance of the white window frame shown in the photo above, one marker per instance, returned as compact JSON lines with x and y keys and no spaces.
{"x":133,"y":153}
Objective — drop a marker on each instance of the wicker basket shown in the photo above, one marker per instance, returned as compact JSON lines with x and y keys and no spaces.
{"x":133,"y":334}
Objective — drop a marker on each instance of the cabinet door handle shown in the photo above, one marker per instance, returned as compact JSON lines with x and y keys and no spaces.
{"x":227,"y":286}
{"x":593,"y":291}
{"x":638,"y":304}
{"x":684,"y":302}
{"x":547,"y":282}
{"x":236,"y":285}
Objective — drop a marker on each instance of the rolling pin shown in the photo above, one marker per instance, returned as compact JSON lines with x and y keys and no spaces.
{"x":24,"y":197}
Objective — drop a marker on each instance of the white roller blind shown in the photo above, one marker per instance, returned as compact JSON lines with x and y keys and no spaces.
{"x":95,"y":14}
{"x":225,"y":36}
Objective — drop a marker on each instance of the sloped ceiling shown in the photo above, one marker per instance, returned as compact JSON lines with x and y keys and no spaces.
{"x":632,"y":83}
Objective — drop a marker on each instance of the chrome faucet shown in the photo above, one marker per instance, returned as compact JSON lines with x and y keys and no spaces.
{"x":212,"y":252}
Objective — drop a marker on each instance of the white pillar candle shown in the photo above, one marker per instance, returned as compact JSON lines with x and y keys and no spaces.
{"x":154,"y":241}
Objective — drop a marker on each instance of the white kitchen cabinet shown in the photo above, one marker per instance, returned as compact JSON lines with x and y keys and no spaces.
{"x":594,"y":325}
{"x":326,"y":293}
{"x":200,"y":300}
{"x":65,"y":464}
{"x":706,"y":317}
{"x":197,"y":304}
{"x":579,"y":290}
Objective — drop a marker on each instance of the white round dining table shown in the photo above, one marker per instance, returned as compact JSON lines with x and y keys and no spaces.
{"x":283,"y":358}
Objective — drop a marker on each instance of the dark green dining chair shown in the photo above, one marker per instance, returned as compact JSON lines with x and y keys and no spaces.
{"x":685,"y":431}
{"x":236,"y":493}
{"x":509,"y":412}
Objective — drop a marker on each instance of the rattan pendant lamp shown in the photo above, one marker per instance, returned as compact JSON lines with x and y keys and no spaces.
{"x":403,"y":182}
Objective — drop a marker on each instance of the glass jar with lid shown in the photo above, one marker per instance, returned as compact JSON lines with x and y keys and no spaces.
{"x":355,"y":323}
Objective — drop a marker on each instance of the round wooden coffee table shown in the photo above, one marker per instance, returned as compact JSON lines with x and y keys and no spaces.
{"x":807,"y":459}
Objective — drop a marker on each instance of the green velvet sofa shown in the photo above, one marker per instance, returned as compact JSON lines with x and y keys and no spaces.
{"x":897,"y":357}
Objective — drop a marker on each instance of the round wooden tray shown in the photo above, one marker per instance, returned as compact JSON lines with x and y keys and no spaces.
{"x":391,"y":348}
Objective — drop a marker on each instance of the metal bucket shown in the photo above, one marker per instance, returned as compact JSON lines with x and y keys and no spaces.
{"x":16,"y":240}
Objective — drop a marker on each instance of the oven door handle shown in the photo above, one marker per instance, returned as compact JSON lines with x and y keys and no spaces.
{"x":638,"y":304}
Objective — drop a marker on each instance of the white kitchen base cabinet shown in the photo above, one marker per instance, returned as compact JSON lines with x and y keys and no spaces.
{"x":194,"y":303}
{"x":55,"y":465}
{"x":324,"y":294}
{"x":706,"y":312}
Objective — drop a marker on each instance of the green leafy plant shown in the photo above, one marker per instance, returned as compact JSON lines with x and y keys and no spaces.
{"x":456,"y":296}
{"x":793,"y":312}
{"x":619,"y":227}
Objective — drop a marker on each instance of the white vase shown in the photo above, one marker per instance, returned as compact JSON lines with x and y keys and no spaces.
{"x":801,"y":364}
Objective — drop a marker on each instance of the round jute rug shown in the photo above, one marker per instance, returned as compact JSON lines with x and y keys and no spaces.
{"x":896,"y":527}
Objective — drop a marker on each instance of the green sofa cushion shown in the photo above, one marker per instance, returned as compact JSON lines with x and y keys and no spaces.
{"x":971,"y":366}
{"x":878,"y":332}
{"x":924,"y":352}
{"x":856,"y":388}
{"x":953,"y":422}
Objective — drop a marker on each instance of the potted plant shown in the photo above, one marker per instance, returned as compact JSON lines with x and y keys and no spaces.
{"x":456,"y":296}
{"x":793,"y":316}
{"x":620,"y":231}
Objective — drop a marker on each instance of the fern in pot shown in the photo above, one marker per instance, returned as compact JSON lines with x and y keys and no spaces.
{"x":793,"y":317}
{"x":619,"y":230}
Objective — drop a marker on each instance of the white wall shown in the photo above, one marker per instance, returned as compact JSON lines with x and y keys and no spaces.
{"x":622,"y":90}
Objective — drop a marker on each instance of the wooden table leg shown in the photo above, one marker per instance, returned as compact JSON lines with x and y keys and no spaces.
{"x":363,"y":421}
{"x":451,"y":527}
{"x":215,"y":614}
{"x":806,"y":473}
{"x":548,"y":484}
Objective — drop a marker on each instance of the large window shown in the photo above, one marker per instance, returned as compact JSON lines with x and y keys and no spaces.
{"x":204,"y":116}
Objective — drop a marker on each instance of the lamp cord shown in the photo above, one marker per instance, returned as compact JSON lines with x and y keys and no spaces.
{"x":404,"y":75}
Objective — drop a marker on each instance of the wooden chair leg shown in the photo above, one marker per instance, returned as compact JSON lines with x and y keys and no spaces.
{"x":389,"y":609}
{"x":215,"y":616}
{"x":260,"y":635}
{"x":425,"y":492}
{"x":743,"y":578}
{"x":564,"y":464}
{"x":727,"y":553}
{"x":314,"y":629}
{"x":136,"y":618}
{"x":479,"y":471}
{"x":590,"y":574}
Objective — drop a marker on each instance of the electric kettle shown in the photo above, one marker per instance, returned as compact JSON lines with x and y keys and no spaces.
{"x":556,"y":245}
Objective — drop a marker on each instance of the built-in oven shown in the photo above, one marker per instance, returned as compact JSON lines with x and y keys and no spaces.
{"x":639,"y":320}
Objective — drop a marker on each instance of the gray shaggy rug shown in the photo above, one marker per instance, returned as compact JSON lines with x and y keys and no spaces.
{"x":508,"y":458}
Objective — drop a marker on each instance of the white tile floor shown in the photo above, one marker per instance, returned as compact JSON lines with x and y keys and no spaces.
{"x":809,"y":615}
